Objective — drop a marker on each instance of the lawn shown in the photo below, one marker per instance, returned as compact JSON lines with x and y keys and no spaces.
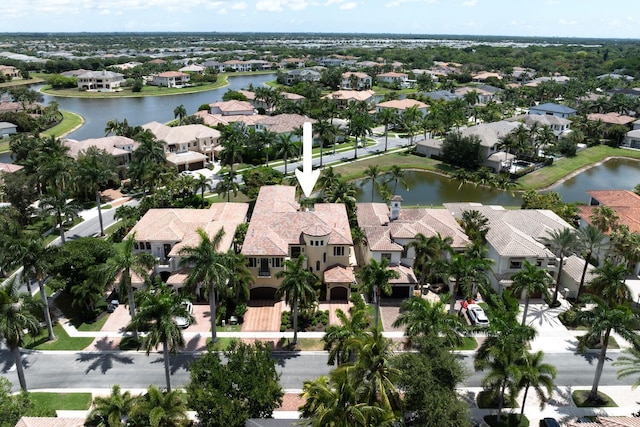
{"x":579,"y":397}
{"x":371,"y":311}
{"x":469,"y":343}
{"x":62,"y":341}
{"x":50,"y":402}
{"x":561,"y":168}
{"x":507,"y":420}
{"x":4,"y":145}
{"x":146,"y":91}
{"x":70,"y":121}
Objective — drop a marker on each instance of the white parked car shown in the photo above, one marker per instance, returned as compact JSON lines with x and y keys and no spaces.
{"x":184,"y":322}
{"x":477,"y":315}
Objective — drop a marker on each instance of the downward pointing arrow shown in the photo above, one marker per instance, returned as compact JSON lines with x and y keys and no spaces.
{"x":307,"y":177}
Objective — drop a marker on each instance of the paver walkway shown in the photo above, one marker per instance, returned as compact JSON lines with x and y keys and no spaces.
{"x":263,"y":316}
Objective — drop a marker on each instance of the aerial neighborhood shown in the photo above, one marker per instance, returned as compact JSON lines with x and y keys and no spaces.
{"x":481,"y":199}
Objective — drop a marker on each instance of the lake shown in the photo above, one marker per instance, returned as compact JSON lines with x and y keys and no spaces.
{"x":427,"y":188}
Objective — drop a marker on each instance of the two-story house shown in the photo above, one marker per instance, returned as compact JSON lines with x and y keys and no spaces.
{"x":401,"y":105}
{"x":301,"y":75}
{"x":389,"y":231}
{"x":120,"y":147}
{"x":553,"y":109}
{"x":187,"y":147}
{"x":356,"y":81}
{"x":515,"y":236}
{"x":165,"y":232}
{"x":280,"y":230}
{"x":100,"y":81}
{"x":345,"y":97}
{"x":170,"y":79}
{"x":393,"y":78}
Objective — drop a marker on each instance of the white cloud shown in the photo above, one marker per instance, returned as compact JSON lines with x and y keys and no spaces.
{"x":349,"y":6}
{"x":279,"y":5}
{"x":566,"y":22}
{"x":239,"y":6}
{"x":104,"y":12}
{"x":397,"y":3}
{"x":470,"y":3}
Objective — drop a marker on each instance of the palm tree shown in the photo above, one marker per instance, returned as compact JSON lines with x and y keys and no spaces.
{"x":562,"y":243}
{"x":374,"y":280}
{"x":604,"y":218}
{"x":208,"y":269}
{"x":336,"y":402}
{"x":328,"y":178}
{"x":123,"y":264}
{"x":202,"y":183}
{"x":427,"y":249}
{"x":110,"y":411}
{"x":96,"y":168}
{"x":298,"y":287}
{"x":61,"y":208}
{"x":157,"y":311}
{"x":604,"y":319}
{"x":387,"y":116}
{"x":336,"y":336}
{"x":421,"y":317}
{"x":35,"y":258}
{"x":360,"y":124}
{"x":326,"y":134}
{"x":630,"y":363}
{"x":475,"y":225}
{"x":180,"y":113}
{"x":267,"y":140}
{"x":530,"y":280}
{"x":374,"y":372}
{"x":287,"y":147}
{"x":371,"y":174}
{"x":397,"y":176}
{"x":16,"y":321}
{"x":234,"y":138}
{"x":609,"y":283}
{"x":160,"y":408}
{"x":228,"y":184}
{"x":410,"y":118}
{"x":532,"y":372}
{"x":236,"y":290}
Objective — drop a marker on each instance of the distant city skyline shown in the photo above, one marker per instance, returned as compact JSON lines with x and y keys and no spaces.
{"x":547,"y":18}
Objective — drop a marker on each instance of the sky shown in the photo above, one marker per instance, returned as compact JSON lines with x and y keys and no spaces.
{"x":544,"y":18}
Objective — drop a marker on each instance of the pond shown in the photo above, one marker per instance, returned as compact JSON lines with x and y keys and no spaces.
{"x":429,"y":189}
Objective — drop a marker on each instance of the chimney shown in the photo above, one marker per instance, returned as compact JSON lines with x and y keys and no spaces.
{"x":396,"y":207}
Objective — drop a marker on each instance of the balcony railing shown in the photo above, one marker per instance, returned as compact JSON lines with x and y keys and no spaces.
{"x":264,"y":273}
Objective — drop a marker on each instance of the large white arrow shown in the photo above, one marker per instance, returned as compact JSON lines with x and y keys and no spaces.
{"x":307,"y":177}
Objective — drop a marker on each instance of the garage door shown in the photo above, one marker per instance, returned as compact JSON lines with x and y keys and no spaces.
{"x":263,"y":293}
{"x":400,"y":292}
{"x":338,"y":294}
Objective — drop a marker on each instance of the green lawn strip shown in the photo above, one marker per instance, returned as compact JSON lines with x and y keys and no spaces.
{"x":507,"y":420}
{"x":62,"y":341}
{"x":4,"y":145}
{"x":371,"y":311}
{"x":379,"y":90}
{"x":112,"y":228}
{"x":468,"y":343}
{"x":580,"y":397}
{"x":127,"y":93}
{"x":95,"y":326}
{"x":33,"y":79}
{"x":44,"y":401}
{"x":70,"y":121}
{"x":549,"y":175}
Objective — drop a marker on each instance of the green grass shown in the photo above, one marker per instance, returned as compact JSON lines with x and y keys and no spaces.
{"x":128,"y":343}
{"x":127,"y":93}
{"x":488,"y":400}
{"x":60,"y":401}
{"x":62,"y":341}
{"x":70,"y":121}
{"x":221,"y":345}
{"x":4,"y":145}
{"x":469,"y":343}
{"x":580,"y":397}
{"x":549,"y":175}
{"x":95,"y":326}
{"x":507,"y":420}
{"x":105,"y":207}
{"x":371,"y":311}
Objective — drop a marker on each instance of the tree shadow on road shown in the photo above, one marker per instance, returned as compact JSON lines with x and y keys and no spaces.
{"x":103,"y":361}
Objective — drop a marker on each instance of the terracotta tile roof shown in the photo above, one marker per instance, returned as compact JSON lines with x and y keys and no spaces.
{"x":355,"y":95}
{"x":277,"y":223}
{"x":9,"y":167}
{"x":219,"y":119}
{"x":114,"y":145}
{"x":407,"y":276}
{"x":616,"y":198}
{"x":232,"y":105}
{"x":402,"y":104}
{"x":339,"y":274}
{"x":181,"y":134}
{"x":283,"y":123}
{"x":611,"y":118}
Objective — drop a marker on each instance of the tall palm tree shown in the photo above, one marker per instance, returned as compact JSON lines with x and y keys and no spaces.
{"x":328,"y":178}
{"x":387,"y":117}
{"x":609,"y":283}
{"x":532,"y":372}
{"x":562,"y":243}
{"x":228,"y":185}
{"x":604,"y":218}
{"x":299,"y":286}
{"x":236,"y":290}
{"x":475,"y":224}
{"x":374,"y":280}
{"x":159,"y":408}
{"x":120,"y":268}
{"x":427,"y":249}
{"x":157,"y":311}
{"x":208,"y":269}
{"x":180,"y":113}
{"x":602,"y":320}
{"x":421,"y":317}
{"x":111,"y":410}
{"x":234,"y":139}
{"x":203,"y":184}
{"x":397,"y":176}
{"x":336,"y":336}
{"x":16,"y":321}
{"x":327,"y":134}
{"x":360,"y":124}
{"x":410,"y":118}
{"x":95,"y":168}
{"x":530,"y":280}
{"x":590,"y":240}
{"x":267,"y":140}
{"x":287,"y":147}
{"x":34,"y":256}
{"x":630,"y":365}
{"x":371,"y":175}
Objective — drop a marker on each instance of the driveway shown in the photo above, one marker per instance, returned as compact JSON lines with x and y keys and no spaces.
{"x":332,"y":307}
{"x":263,"y":316}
